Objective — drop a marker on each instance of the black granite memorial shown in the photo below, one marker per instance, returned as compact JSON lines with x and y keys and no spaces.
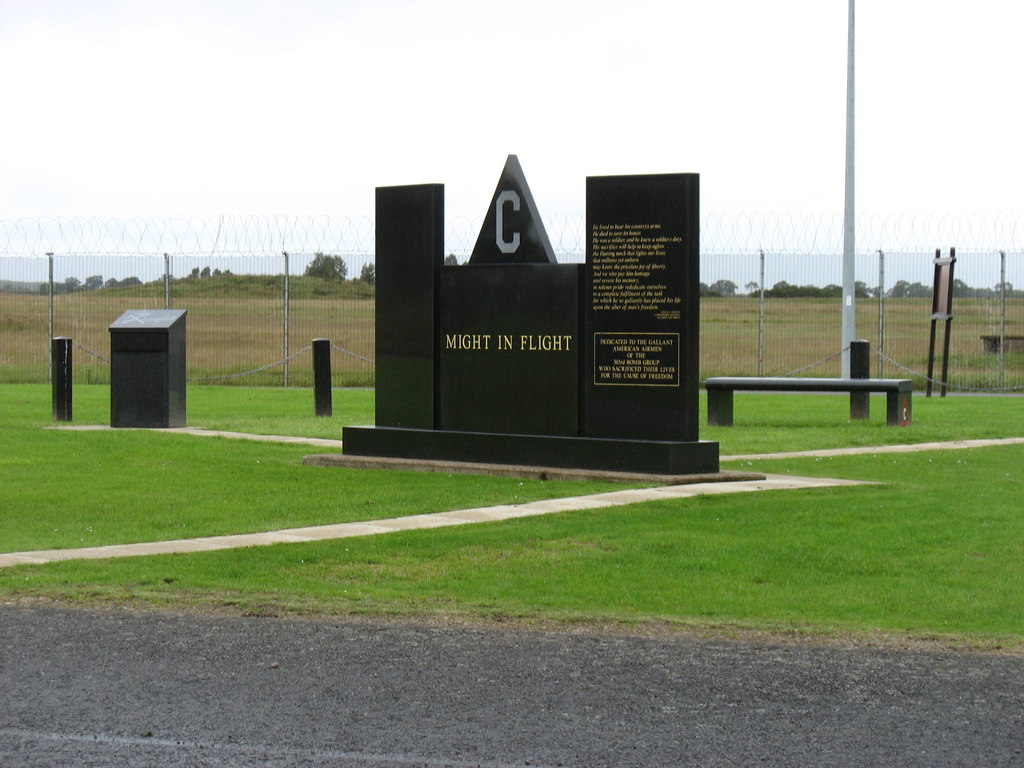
{"x":147,"y":369}
{"x":513,"y":358}
{"x":642,"y":293}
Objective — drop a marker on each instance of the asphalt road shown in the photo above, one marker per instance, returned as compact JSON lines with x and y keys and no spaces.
{"x":119,"y":688}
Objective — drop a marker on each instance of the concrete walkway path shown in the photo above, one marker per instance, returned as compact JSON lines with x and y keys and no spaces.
{"x":413,"y":522}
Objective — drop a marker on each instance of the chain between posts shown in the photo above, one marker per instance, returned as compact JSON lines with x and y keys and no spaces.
{"x":794,"y":372}
{"x":949,"y":385}
{"x":88,"y":351}
{"x":351,"y":354}
{"x":828,"y":359}
{"x":262,"y":368}
{"x":250,"y":372}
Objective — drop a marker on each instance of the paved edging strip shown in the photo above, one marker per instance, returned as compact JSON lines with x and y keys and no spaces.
{"x":321,"y":442}
{"x":946,"y":445}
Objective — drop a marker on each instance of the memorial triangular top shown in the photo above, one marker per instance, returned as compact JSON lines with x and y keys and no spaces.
{"x":512,"y":232}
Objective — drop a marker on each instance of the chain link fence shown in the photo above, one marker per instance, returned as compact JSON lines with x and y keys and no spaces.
{"x":259,"y":289}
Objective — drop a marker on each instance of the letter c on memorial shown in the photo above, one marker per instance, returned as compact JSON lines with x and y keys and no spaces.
{"x":506,"y":196}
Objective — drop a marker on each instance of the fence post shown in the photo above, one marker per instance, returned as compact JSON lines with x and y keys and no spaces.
{"x":322,"y":377}
{"x":860,"y":368}
{"x":60,"y":364}
{"x":1002,"y":319}
{"x":285,"y":253}
{"x":167,"y":281}
{"x":49,"y":301}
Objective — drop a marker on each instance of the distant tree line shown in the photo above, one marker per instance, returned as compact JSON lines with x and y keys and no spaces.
{"x":91,"y":283}
{"x":19,"y":286}
{"x":328,"y":267}
{"x":781,"y":290}
{"x":902,"y":289}
{"x":323,"y":266}
{"x":202,"y":274}
{"x":333,"y":268}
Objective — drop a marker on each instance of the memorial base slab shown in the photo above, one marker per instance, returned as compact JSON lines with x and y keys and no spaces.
{"x":661,"y":457}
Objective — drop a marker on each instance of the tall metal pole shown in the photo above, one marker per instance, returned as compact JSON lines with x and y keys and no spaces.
{"x":849,"y":258}
{"x":881,"y":312}
{"x":760,"y":321}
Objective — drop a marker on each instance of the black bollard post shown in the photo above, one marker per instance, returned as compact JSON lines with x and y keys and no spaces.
{"x":60,"y":359}
{"x":322,"y":376}
{"x":860,"y":368}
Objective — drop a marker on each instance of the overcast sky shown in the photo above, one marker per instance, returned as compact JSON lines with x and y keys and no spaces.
{"x":203,"y":107}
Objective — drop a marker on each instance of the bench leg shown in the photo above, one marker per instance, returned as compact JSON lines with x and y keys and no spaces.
{"x":860,"y":405}
{"x":720,"y":407}
{"x":897,"y":409}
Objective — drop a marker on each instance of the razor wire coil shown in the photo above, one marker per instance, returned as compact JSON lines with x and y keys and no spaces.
{"x":798,"y":233}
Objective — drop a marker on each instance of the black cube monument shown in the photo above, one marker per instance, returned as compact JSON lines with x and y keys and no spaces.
{"x":513,"y":358}
{"x":147,"y":369}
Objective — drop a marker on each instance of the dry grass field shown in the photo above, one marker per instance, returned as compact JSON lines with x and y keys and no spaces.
{"x":231,"y":334}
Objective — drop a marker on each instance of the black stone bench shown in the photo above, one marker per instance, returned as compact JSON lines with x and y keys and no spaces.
{"x":995,"y":344}
{"x":898,"y":393}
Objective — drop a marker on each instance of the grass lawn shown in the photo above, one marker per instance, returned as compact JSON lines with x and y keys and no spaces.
{"x":935,"y":549}
{"x":72,"y":489}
